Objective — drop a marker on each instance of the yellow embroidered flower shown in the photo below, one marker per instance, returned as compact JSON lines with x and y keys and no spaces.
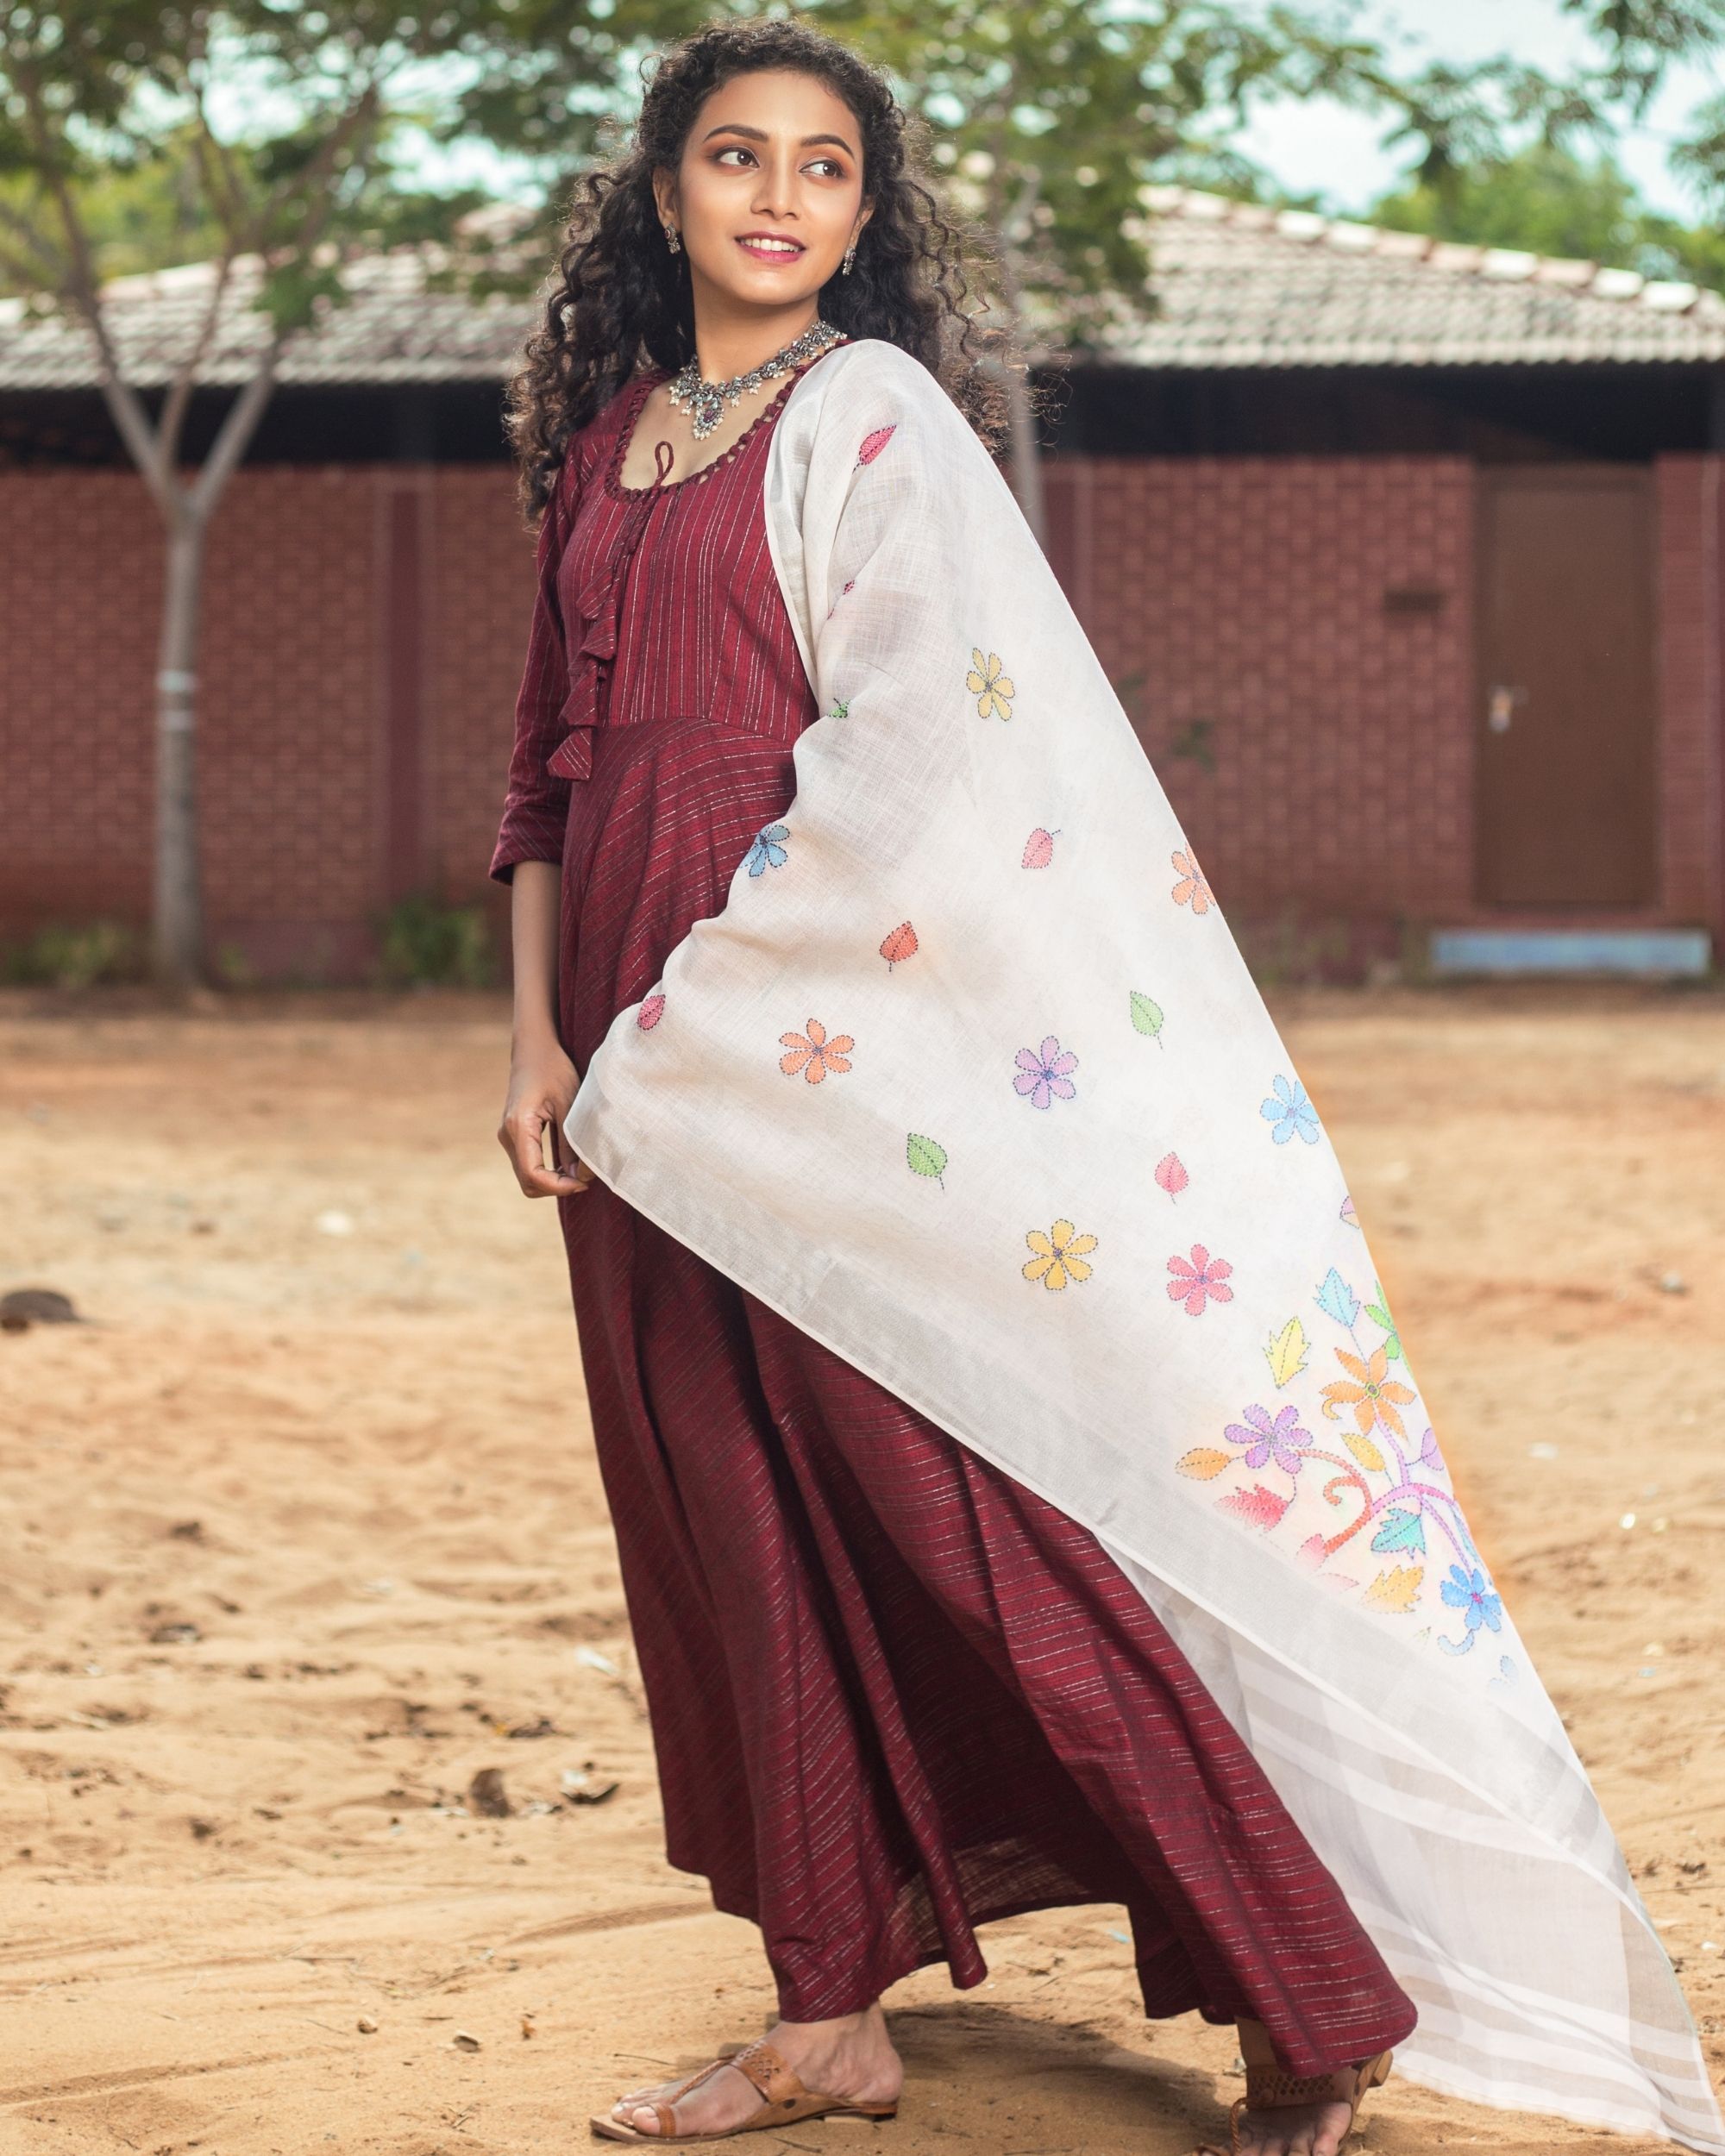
{"x":992,"y":690}
{"x":1059,"y":1255}
{"x":1374,"y":1398}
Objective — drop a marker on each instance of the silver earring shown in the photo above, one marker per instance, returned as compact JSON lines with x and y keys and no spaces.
{"x":672,"y":240}
{"x":849,"y":257}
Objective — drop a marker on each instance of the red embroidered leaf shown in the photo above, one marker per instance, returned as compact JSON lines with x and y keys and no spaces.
{"x":652,"y":1009}
{"x":874,"y":444}
{"x":1257,"y":1506}
{"x":1039,"y":848}
{"x":1171,"y":1173}
{"x":899,"y":943}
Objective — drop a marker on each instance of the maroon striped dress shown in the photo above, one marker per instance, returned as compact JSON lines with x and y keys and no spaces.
{"x":893,"y":1694}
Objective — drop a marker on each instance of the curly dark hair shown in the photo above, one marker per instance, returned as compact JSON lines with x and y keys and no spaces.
{"x":618,"y":293}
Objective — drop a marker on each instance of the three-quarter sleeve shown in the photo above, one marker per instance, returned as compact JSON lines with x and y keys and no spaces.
{"x":537,"y":806}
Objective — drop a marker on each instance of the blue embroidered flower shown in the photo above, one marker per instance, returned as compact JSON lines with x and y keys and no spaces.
{"x":1470,"y":1590}
{"x":1288,"y":1109}
{"x":769,"y":850}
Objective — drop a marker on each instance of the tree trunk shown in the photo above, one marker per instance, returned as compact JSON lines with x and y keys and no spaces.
{"x":1027,"y":458}
{"x":178,"y":944}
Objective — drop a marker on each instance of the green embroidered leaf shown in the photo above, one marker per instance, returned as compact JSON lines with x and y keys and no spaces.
{"x":1378,"y":1313}
{"x":1402,"y":1530}
{"x":1146,"y":1016}
{"x":926,"y":1155}
{"x":840,"y":710}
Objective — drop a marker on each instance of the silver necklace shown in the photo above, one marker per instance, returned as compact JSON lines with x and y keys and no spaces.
{"x":705,"y":401}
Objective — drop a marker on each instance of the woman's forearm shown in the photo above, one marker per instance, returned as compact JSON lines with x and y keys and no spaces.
{"x":535,"y":893}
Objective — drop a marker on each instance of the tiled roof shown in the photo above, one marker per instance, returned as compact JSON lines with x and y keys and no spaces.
{"x":1238,"y":286}
{"x":1245,"y":286}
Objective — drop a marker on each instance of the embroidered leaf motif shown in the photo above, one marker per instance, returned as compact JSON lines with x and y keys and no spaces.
{"x":899,"y":943}
{"x":840,"y":710}
{"x":1039,"y":848}
{"x":1429,"y":1454}
{"x":1402,"y":1530}
{"x":874,"y":444}
{"x":1286,"y":1353}
{"x":1348,"y":1212}
{"x":1311,"y":1552}
{"x":1337,"y":1300}
{"x":652,"y":1009}
{"x":926,"y":1155}
{"x":1378,"y":1313}
{"x":1146,"y":1016}
{"x":1257,"y":1506}
{"x":1363,"y":1450}
{"x":1170,"y":1173}
{"x":1203,"y":1465}
{"x":1396,"y":1589}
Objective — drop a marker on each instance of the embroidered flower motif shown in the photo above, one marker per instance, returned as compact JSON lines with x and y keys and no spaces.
{"x":1204,"y":1276}
{"x":1059,"y":1255}
{"x":1191,"y":888}
{"x":769,"y":850}
{"x":1375,"y":1397}
{"x":992,"y":689}
{"x":1041,"y":1073}
{"x":814,"y":1053}
{"x":1468,"y":1588}
{"x":1286,"y":1110}
{"x":1266,"y":1437}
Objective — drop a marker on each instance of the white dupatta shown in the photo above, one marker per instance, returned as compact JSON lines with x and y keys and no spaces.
{"x":970,"y":1081}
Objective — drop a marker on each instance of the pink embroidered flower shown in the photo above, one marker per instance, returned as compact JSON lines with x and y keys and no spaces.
{"x":814,"y":1053}
{"x":1191,"y":888}
{"x":1041,"y":1073}
{"x":1204,"y":1275}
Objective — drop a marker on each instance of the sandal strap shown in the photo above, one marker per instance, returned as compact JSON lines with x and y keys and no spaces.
{"x":1269,"y":2089}
{"x":770,"y":2071}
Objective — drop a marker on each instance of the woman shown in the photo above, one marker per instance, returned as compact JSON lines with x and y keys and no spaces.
{"x":839,"y":956}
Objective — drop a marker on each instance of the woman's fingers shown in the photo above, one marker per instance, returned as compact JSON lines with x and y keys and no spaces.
{"x":523,"y":1138}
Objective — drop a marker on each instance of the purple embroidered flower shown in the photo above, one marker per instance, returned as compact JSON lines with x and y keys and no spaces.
{"x":1277,"y":1439}
{"x":1041,"y":1073}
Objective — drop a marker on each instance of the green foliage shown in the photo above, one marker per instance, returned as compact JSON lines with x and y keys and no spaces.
{"x":424,"y":941}
{"x":65,"y":954}
{"x":1548,"y":199}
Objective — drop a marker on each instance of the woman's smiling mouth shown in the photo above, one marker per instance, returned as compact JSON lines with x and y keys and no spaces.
{"x":768,"y":248}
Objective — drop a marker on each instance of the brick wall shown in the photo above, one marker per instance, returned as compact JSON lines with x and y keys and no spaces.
{"x":364,"y":628}
{"x":1251,"y":594}
{"x":304,"y":832}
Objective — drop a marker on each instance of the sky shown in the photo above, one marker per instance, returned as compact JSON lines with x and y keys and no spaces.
{"x":1318,"y":146}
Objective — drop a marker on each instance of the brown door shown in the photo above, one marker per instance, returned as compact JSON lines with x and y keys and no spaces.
{"x":1565,"y":721}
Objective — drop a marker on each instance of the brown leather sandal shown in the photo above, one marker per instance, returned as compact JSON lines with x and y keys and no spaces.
{"x":784,"y":2101}
{"x":1269,"y":2089}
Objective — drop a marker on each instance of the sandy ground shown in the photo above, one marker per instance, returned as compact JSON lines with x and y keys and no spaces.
{"x":304,"y":1530}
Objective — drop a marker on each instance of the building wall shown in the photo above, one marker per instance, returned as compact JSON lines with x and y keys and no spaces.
{"x":364,"y":626}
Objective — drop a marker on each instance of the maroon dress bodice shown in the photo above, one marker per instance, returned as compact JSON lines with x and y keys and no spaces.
{"x":660,"y":697}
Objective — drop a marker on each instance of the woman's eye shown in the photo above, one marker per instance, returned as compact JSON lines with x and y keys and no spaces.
{"x":736,"y":149}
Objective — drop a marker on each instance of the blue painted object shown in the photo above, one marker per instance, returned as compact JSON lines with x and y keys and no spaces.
{"x":1562,"y":951}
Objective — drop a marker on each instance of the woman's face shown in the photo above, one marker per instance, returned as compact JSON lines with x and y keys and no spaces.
{"x":772,"y":156}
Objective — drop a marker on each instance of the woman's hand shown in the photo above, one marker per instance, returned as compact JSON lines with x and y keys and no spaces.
{"x":543,"y":1083}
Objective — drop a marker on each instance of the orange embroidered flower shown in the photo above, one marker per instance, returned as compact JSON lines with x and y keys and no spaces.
{"x":814,"y":1053}
{"x":1191,"y":885}
{"x":1059,"y":1255}
{"x":992,"y":689}
{"x":1375,"y":1396}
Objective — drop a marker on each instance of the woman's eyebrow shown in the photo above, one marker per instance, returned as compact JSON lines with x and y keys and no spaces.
{"x":735,"y":126}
